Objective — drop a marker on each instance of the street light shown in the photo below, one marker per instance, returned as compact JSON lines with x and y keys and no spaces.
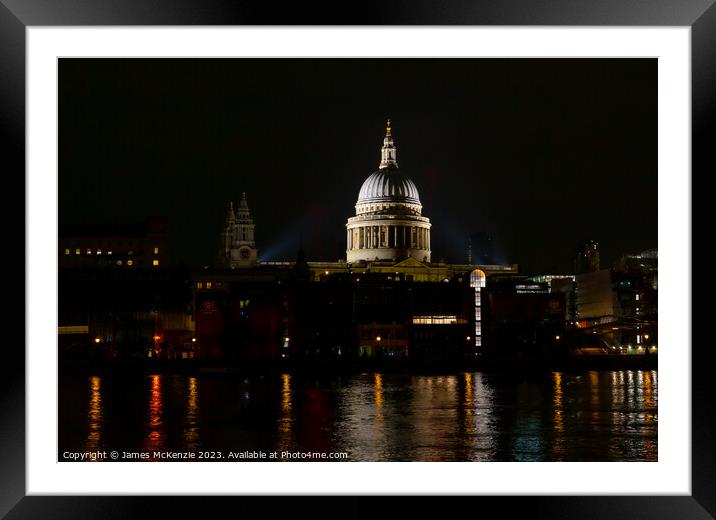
{"x":377,"y":338}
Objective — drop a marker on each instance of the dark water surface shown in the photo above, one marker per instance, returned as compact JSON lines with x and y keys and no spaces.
{"x":551,"y":416}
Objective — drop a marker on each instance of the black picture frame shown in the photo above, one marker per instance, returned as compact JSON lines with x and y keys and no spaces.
{"x":700,"y":15}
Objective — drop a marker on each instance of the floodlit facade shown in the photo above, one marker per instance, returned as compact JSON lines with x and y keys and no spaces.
{"x":388,"y":224}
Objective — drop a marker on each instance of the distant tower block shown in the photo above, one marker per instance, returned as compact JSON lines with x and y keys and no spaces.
{"x":480,"y":249}
{"x":238,"y":248}
{"x":388,"y":224}
{"x":586,"y":259}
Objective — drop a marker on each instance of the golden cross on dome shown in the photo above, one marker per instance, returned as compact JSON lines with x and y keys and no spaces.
{"x":387,"y":129}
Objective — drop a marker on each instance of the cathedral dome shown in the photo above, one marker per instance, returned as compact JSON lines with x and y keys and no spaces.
{"x":388,"y":224}
{"x":388,"y":184}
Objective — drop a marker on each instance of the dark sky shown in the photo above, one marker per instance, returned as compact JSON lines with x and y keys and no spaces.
{"x":542,"y":153}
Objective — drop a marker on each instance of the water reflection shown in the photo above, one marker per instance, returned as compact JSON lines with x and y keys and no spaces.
{"x":378,"y":414}
{"x":435,"y":418}
{"x":594,"y":400}
{"x":155,"y":436}
{"x":378,"y":392}
{"x":285,"y":420}
{"x":528,"y":440}
{"x":473,"y":416}
{"x":558,"y":440}
{"x":650,"y":442}
{"x":94,"y":414}
{"x":191,"y":420}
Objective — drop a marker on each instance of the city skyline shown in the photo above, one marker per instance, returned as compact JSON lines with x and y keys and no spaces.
{"x":542,"y":167}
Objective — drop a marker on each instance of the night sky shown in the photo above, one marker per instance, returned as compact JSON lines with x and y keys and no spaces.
{"x":542,"y":153}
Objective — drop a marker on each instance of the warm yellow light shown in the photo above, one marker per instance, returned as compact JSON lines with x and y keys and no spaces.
{"x":193,"y":340}
{"x":130,"y":262}
{"x":97,"y":340}
{"x":157,"y":338}
{"x":646,"y":336}
{"x":468,"y":338}
{"x":67,"y":251}
{"x":326,"y":272}
{"x":156,"y":250}
{"x":557,"y":338}
{"x":155,"y":263}
{"x":377,"y":338}
{"x":286,"y":338}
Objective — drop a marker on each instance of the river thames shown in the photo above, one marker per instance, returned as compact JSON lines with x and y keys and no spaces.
{"x":477,"y":416}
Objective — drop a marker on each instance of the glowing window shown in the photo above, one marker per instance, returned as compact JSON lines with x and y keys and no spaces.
{"x":156,"y":250}
{"x":99,"y":251}
{"x":67,"y":251}
{"x":130,"y":262}
{"x":109,"y":253}
{"x":208,"y":285}
{"x":130,"y":252}
{"x":77,"y":251}
{"x":155,"y":262}
{"x":119,"y":262}
{"x":199,"y":285}
{"x":89,"y":251}
{"x":477,"y":279}
{"x":438,"y":320}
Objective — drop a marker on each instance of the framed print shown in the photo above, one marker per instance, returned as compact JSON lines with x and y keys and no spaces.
{"x":413,"y":253}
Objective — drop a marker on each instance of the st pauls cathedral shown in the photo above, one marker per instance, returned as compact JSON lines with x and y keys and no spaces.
{"x":386,"y":297}
{"x":388,"y":234}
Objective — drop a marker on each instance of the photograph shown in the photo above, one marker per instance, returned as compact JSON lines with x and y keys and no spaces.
{"x":357,"y":259}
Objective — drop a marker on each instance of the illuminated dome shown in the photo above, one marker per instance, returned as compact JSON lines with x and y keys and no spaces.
{"x":388,"y":184}
{"x":388,"y":224}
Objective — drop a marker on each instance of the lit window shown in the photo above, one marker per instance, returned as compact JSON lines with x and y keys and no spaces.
{"x":130,"y":252}
{"x":119,"y":262}
{"x":89,"y":251}
{"x":77,"y":251}
{"x":109,"y":253}
{"x":156,"y":250}
{"x":208,"y":285}
{"x":99,"y":251}
{"x":67,"y":251}
{"x":130,"y":262}
{"x":438,"y":320}
{"x":155,"y":263}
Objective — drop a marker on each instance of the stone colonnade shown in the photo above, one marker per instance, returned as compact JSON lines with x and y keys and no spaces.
{"x":388,"y":236}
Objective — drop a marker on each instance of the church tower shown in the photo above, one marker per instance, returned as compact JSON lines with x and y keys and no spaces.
{"x":237,"y":240}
